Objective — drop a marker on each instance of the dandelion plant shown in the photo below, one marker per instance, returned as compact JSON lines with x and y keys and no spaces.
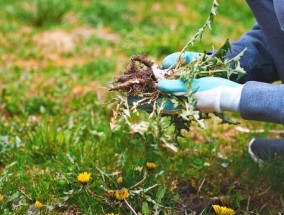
{"x":142,"y":75}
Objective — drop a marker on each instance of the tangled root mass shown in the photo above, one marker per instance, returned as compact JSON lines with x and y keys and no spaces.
{"x":138,"y":78}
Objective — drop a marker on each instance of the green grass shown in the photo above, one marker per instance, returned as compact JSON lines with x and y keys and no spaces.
{"x":39,"y":13}
{"x":55,"y":111}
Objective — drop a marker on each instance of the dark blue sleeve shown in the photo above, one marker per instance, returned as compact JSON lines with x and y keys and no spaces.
{"x":256,"y":61}
{"x":270,"y":21}
{"x":264,"y":62}
{"x":262,"y":102}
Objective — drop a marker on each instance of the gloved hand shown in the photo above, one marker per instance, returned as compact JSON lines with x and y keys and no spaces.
{"x":212,"y":94}
{"x":172,"y":58}
{"x":168,"y":107}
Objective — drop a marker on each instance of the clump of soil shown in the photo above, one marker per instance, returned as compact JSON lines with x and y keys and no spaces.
{"x":138,"y":78}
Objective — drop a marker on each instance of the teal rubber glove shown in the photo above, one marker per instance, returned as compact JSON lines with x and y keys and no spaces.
{"x":212,"y":94}
{"x":172,"y":58}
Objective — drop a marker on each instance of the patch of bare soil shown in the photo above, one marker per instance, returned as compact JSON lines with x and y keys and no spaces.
{"x":54,"y":47}
{"x":33,"y":64}
{"x":191,"y":201}
{"x":93,"y":87}
{"x":72,"y":210}
{"x":55,"y":41}
{"x":197,"y":198}
{"x":59,"y":41}
{"x":58,"y":47}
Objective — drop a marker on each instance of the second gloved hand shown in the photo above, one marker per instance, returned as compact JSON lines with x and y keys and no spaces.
{"x":172,"y":58}
{"x":212,"y":94}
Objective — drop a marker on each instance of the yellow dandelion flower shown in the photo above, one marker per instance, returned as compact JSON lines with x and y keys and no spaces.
{"x":150,"y":165}
{"x":84,"y":178}
{"x":38,"y":204}
{"x":1,"y":198}
{"x":220,"y":210}
{"x":121,"y":194}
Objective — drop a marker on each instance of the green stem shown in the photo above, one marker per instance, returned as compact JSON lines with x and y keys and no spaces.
{"x":131,"y":208}
{"x":139,"y":182}
{"x":199,"y":32}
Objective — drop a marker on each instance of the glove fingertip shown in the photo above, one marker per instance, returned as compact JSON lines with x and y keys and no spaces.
{"x":191,"y":56}
{"x":170,"y":60}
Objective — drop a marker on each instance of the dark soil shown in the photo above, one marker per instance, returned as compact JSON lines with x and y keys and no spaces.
{"x":265,"y":200}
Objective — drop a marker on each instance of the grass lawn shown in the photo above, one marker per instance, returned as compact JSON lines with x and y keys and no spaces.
{"x":56,"y":60}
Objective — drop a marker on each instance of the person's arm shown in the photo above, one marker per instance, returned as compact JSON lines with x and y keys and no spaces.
{"x":262,"y":102}
{"x":263,"y":62}
{"x":257,"y":61}
{"x":253,"y":100}
{"x":270,"y":21}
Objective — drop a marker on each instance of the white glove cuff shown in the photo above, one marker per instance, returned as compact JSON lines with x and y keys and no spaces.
{"x":219,"y":99}
{"x":208,"y":101}
{"x":230,"y":98}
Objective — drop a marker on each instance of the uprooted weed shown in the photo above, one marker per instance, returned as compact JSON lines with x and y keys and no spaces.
{"x":138,"y":78}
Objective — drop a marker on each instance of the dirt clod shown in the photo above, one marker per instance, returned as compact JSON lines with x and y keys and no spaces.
{"x":138,"y":77}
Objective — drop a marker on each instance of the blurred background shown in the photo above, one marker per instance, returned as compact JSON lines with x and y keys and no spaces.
{"x":95,"y":38}
{"x":56,"y":60}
